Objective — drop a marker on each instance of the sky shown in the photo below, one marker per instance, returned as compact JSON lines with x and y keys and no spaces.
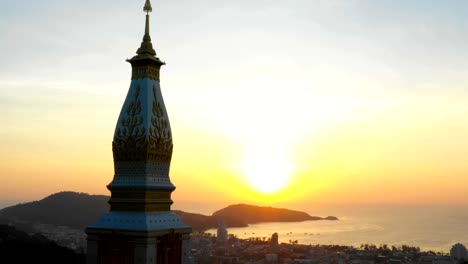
{"x":289,"y":103}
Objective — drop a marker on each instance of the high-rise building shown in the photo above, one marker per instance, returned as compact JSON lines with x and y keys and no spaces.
{"x":222,"y":234}
{"x":140,"y":226}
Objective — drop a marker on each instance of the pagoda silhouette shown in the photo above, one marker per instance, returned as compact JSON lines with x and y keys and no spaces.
{"x":140,"y":226}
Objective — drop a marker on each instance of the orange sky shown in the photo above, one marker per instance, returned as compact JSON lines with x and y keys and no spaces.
{"x":362,"y":109}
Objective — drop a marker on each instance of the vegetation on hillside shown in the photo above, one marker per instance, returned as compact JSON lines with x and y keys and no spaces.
{"x":78,"y":210}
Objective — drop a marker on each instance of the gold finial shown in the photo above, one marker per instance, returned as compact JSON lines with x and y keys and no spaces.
{"x":146,"y":50}
{"x":148,"y":7}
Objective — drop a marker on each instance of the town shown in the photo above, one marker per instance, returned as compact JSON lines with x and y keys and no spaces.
{"x":224,"y":248}
{"x":227,"y":249}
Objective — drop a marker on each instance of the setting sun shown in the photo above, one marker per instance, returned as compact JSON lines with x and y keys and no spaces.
{"x":234,"y":131}
{"x":350,"y":99}
{"x":267,"y":172}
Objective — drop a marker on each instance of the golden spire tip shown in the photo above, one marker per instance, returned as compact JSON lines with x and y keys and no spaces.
{"x":148,"y":7}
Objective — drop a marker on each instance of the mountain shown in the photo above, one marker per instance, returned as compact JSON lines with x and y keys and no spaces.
{"x":78,"y":210}
{"x":72,"y":209}
{"x":244,"y":214}
{"x":198,"y":222}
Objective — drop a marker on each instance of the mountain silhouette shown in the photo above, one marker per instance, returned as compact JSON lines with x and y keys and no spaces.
{"x":78,"y":210}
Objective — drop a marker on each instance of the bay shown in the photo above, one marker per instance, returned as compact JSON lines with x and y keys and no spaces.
{"x":429,"y":227}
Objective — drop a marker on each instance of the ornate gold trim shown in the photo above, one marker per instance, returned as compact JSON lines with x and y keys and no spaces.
{"x":147,"y":71}
{"x":131,"y":142}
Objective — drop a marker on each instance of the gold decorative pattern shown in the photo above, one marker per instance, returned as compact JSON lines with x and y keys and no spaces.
{"x":160,"y":136}
{"x":131,"y":124}
{"x":140,"y":72}
{"x":130,"y":137}
{"x":131,"y":142}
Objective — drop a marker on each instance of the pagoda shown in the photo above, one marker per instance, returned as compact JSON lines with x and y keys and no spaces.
{"x":140,"y":226}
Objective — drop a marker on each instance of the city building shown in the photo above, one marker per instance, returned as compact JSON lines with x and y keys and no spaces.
{"x":140,"y":226}
{"x":222,"y":234}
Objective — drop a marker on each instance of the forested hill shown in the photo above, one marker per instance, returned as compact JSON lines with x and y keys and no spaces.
{"x":251,"y":214}
{"x":78,"y":210}
{"x":72,"y":209}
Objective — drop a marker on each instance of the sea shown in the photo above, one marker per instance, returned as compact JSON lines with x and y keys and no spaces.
{"x":435,"y":228}
{"x":429,"y":227}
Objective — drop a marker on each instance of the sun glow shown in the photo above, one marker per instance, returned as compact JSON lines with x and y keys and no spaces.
{"x":267,"y":172}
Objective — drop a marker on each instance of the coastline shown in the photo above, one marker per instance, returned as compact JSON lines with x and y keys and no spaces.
{"x":392,"y":226}
{"x":209,"y":248}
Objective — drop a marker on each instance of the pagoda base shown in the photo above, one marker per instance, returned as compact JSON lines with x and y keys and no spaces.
{"x":138,"y":238}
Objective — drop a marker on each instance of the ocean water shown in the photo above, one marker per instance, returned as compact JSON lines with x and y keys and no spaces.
{"x":429,"y":227}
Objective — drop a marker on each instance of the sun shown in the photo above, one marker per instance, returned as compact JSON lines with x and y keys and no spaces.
{"x":267,"y":172}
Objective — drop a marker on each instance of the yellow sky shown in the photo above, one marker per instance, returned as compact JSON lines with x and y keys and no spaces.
{"x":363,"y":109}
{"x":342,"y":149}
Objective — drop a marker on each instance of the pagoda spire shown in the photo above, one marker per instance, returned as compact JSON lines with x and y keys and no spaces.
{"x":146,"y":50}
{"x":147,"y":8}
{"x":140,"y":226}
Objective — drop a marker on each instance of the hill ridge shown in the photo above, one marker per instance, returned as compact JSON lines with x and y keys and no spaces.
{"x":77,"y":210}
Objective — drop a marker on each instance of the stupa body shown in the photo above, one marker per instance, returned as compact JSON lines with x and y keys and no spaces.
{"x":140,"y":226}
